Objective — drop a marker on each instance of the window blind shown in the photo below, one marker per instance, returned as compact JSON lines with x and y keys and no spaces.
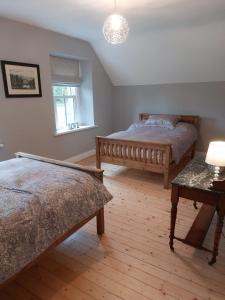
{"x":65,"y":70}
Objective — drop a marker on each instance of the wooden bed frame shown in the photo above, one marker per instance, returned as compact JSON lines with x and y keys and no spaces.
{"x":99,"y":222}
{"x":150,"y":156}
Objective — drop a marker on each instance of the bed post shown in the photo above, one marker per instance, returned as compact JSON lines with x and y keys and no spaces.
{"x":166,"y":179}
{"x":100,"y":221}
{"x":98,"y":157}
{"x":168,"y":153}
{"x":193,"y":150}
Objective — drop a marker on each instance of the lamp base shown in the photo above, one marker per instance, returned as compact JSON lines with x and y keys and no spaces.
{"x":216,"y":172}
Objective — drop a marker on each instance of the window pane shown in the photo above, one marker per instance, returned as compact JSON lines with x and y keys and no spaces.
{"x":66,"y":106}
{"x":70,"y":111}
{"x":66,"y":91}
{"x":61,"y":114}
{"x":57,"y":90}
{"x":73,"y":90}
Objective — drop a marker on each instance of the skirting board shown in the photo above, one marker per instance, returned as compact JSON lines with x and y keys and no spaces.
{"x":81,"y":156}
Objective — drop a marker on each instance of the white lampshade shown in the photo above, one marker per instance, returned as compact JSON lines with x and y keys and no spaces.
{"x":216,"y":154}
{"x":115,"y":29}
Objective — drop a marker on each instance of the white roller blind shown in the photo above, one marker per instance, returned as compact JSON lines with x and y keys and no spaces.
{"x":65,"y":70}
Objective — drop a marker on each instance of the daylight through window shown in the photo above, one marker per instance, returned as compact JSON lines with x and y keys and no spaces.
{"x":72,"y":94}
{"x":66,"y":101}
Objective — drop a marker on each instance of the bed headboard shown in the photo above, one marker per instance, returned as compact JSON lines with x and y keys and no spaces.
{"x":195,"y":120}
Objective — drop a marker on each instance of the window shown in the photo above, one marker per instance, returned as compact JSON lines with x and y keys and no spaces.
{"x":66,"y":101}
{"x":72,"y":94}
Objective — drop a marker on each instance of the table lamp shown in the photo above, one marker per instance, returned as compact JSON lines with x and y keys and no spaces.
{"x":216,"y":156}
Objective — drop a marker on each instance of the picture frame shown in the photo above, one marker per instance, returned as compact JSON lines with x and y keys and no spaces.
{"x":21,"y":79}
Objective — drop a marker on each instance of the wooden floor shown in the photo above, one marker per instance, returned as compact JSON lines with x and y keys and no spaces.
{"x":132,"y":260}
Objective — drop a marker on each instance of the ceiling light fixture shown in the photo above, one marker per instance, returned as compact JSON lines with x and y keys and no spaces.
{"x":115,"y":28}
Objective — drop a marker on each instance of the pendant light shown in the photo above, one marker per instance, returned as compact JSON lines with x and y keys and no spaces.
{"x":115,"y":28}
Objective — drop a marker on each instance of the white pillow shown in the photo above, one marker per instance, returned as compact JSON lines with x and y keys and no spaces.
{"x":165,"y":121}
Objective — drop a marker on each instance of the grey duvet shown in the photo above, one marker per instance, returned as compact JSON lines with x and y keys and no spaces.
{"x":39,"y":202}
{"x":181,"y":137}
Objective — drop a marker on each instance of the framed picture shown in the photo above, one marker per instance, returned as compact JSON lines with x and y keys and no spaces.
{"x":21,"y":79}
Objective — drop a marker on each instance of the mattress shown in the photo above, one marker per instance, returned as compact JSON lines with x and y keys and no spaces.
{"x":181,"y":138}
{"x":39,"y":202}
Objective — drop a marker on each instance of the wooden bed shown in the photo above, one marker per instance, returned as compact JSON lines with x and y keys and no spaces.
{"x":100,"y":230}
{"x":99,"y":214}
{"x":146,"y":153}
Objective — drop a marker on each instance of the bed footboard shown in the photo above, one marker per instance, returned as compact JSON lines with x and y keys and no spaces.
{"x":154,"y":157}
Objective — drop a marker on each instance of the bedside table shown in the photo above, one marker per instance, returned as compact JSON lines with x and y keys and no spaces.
{"x":193,"y":183}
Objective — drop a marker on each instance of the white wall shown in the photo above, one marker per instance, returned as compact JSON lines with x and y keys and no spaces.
{"x":206,"y":100}
{"x":27,"y":124}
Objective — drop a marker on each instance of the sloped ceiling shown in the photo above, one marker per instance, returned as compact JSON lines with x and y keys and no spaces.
{"x":170,"y":41}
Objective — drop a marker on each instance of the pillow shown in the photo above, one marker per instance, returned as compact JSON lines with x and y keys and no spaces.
{"x":165,"y":121}
{"x":136,"y":125}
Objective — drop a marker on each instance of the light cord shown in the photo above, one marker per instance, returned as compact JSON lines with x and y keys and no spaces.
{"x":115,"y":5}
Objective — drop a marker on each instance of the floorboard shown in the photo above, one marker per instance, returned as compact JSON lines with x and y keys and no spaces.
{"x":132,"y":261}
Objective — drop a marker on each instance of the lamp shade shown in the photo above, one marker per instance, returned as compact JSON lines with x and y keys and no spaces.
{"x":115,"y":29}
{"x":216,"y":154}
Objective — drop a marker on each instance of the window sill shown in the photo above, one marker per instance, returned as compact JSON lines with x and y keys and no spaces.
{"x":81,"y":128}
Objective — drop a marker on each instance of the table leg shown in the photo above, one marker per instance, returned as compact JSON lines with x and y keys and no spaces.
{"x":218,"y":231}
{"x":195,"y":205}
{"x":174,"y":202}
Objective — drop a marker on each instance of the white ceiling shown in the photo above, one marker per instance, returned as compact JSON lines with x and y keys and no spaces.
{"x":169,"y":40}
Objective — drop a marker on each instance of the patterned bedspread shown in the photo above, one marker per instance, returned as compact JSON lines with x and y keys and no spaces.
{"x":39,"y":202}
{"x":181,"y":137}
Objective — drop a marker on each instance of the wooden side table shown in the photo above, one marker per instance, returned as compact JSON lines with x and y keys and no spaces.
{"x":193,"y":183}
